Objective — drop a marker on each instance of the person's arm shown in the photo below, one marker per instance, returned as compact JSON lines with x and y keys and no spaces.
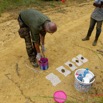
{"x":36,"y":42}
{"x":38,"y":56}
{"x":42,"y":39}
{"x":97,"y":4}
{"x":37,"y":47}
{"x":101,"y":4}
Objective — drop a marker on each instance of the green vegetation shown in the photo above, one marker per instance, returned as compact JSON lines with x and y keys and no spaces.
{"x":12,"y":4}
{"x":6,"y":5}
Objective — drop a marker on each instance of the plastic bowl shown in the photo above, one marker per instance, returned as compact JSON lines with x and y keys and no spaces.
{"x":60,"y":96}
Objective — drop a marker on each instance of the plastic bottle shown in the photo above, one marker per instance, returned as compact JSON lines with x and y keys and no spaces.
{"x":87,"y":78}
{"x":86,"y":72}
{"x":80,"y":77}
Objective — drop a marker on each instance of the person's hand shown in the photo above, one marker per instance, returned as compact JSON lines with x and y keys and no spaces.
{"x":38,"y":56}
{"x":43,"y":48}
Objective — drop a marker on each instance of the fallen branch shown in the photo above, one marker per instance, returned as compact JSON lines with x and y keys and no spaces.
{"x":17,"y":69}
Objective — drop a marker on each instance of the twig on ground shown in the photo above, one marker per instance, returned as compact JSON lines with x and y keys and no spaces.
{"x":17,"y":69}
{"x":18,"y":86}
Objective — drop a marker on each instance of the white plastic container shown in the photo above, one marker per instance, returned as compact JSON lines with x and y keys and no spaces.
{"x":80,"y":85}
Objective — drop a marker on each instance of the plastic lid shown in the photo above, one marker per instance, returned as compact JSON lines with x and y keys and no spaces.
{"x":60,"y":96}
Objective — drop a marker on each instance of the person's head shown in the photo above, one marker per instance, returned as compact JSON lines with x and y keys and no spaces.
{"x":50,"y":27}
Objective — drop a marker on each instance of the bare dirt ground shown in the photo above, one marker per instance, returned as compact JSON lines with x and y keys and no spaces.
{"x":21,"y":83}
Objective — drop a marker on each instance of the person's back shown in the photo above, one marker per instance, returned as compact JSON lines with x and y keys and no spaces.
{"x":34,"y":20}
{"x":32,"y":16}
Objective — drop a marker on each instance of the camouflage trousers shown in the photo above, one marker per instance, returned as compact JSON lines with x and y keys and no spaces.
{"x":24,"y":33}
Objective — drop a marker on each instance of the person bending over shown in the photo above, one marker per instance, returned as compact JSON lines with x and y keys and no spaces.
{"x":33,"y":27}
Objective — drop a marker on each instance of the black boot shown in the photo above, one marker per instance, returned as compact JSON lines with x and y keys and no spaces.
{"x":35,"y":64}
{"x":86,"y":38}
{"x":88,"y":34}
{"x":96,"y":37}
{"x":94,"y":43}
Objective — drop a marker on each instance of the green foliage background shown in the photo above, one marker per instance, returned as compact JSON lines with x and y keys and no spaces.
{"x":12,"y":4}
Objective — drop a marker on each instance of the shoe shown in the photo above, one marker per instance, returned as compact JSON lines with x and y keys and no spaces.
{"x":86,"y":38}
{"x":34,"y":64}
{"x":94,"y":43}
